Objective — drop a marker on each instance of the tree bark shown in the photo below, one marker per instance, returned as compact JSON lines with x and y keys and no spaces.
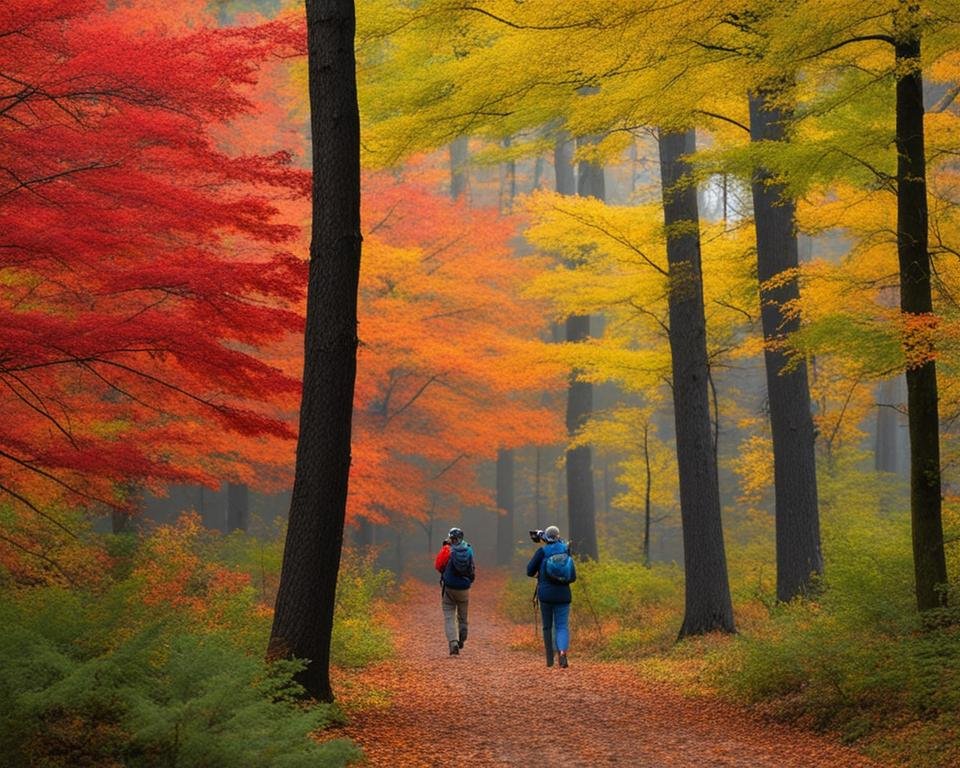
{"x":708,"y":606}
{"x":646,"y":496}
{"x":303,"y":621}
{"x":581,"y":500}
{"x":916,"y":300}
{"x":459,"y":176}
{"x":505,"y":506}
{"x":799,"y":559}
{"x":238,"y":507}
{"x":886,"y":457}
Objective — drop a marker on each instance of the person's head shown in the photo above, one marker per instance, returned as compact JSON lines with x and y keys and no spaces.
{"x":552,"y":533}
{"x":455,"y":535}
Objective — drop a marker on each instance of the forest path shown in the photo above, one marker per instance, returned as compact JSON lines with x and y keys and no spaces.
{"x":494,"y":706}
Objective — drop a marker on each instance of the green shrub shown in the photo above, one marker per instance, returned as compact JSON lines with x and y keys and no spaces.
{"x":160,"y":662}
{"x":859,"y":659}
{"x":620,"y":607}
{"x":358,"y":636}
{"x":152,"y":698}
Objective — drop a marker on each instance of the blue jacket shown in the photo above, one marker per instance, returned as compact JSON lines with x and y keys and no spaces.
{"x":548,"y":591}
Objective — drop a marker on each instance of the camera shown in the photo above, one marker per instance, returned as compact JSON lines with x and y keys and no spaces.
{"x":537,"y":537}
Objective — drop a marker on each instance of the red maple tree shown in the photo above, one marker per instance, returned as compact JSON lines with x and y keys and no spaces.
{"x":143,"y":267}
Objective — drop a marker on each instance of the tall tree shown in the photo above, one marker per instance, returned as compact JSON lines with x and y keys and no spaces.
{"x":707,"y":605}
{"x":916,"y":303}
{"x":799,"y":559}
{"x":505,"y":471}
{"x":135,"y":336}
{"x":581,"y":502}
{"x":303,"y":621}
{"x":506,"y":506}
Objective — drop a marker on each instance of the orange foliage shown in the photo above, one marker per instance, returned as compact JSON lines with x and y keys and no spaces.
{"x":174,"y":574}
{"x":450,"y":366}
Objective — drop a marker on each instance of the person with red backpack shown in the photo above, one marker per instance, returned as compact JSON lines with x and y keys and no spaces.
{"x":555,"y":570}
{"x":457,"y":571}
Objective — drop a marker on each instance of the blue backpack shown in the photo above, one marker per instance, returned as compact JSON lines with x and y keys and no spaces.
{"x":558,"y":566}
{"x":461,"y":561}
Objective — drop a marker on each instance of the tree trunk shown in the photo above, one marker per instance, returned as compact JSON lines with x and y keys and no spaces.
{"x":886,"y":456}
{"x":363,"y":533}
{"x":459,"y":175}
{"x":303,"y":620}
{"x":505,"y":506}
{"x":563,"y":166}
{"x":238,"y":507}
{"x":916,"y":300}
{"x":646,"y":496}
{"x":538,"y":516}
{"x":581,"y":502}
{"x":799,"y":559}
{"x":708,"y":606}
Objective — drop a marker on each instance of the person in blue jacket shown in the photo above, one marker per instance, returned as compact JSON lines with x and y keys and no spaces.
{"x":553,"y":592}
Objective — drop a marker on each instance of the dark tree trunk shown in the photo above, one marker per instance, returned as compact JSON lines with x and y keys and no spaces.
{"x":563,"y":166}
{"x":238,"y":507}
{"x":303,"y":620}
{"x":459,"y":157}
{"x":916,"y":299}
{"x":505,"y":505}
{"x":799,"y":559}
{"x":581,"y":502}
{"x":708,"y":605}
{"x":505,"y":464}
{"x":646,"y":496}
{"x":537,"y":513}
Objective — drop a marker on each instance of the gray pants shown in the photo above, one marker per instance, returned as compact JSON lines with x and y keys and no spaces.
{"x":455,"y":603}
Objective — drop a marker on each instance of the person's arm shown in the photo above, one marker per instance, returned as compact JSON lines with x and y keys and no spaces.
{"x":533,"y":567}
{"x":442,"y":557}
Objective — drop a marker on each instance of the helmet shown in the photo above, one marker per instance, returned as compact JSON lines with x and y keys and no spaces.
{"x":455,"y":535}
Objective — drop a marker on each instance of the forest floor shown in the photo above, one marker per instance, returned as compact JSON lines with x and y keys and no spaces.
{"x":496,"y":705}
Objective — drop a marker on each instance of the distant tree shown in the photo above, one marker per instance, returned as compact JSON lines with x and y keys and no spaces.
{"x":238,"y":507}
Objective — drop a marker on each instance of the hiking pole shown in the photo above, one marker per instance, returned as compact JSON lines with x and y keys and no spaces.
{"x":536,"y":616}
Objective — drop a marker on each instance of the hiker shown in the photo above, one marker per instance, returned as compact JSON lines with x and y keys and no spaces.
{"x":555,"y":570}
{"x":457,"y":572}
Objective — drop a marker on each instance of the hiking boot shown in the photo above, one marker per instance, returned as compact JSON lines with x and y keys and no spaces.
{"x":461,"y":641}
{"x":563,"y":659}
{"x":550,"y":657}
{"x":454,"y":649}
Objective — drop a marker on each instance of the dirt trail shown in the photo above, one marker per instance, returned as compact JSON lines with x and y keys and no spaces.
{"x":493,"y":706}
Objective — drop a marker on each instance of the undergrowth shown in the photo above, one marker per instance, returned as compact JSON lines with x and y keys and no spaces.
{"x":161,"y":661}
{"x":858,"y":660}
